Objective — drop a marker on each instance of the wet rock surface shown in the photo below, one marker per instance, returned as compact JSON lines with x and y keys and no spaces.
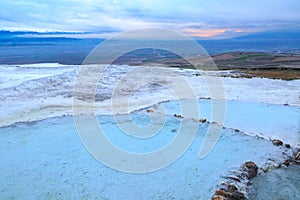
{"x":277,"y":142}
{"x":296,"y":159}
{"x":202,"y":120}
{"x":228,"y":193}
{"x":235,"y":188}
{"x":287,"y":145}
{"x":250,"y":168}
{"x":248,"y":181}
{"x":178,"y":116}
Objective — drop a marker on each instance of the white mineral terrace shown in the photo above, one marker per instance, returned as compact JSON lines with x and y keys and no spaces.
{"x":47,"y":160}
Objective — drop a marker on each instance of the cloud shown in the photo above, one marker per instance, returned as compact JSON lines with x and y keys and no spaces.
{"x":203,"y":33}
{"x":194,"y":17}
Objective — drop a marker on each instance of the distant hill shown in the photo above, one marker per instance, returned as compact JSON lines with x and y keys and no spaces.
{"x":293,"y":34}
{"x":22,"y":47}
{"x":24,"y":34}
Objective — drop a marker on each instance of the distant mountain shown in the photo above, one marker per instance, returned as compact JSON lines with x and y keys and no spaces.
{"x":22,"y":47}
{"x":293,"y":34}
{"x":12,"y":34}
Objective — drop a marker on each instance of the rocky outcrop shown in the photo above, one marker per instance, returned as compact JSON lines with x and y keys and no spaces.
{"x":202,"y":120}
{"x":250,"y":168}
{"x":277,"y":142}
{"x":297,"y":155}
{"x":286,"y":163}
{"x":230,"y":192}
{"x":296,"y":159}
{"x":235,"y":188}
{"x":178,"y":116}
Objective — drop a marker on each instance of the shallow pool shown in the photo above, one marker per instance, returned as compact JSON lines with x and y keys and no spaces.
{"x":47,"y":160}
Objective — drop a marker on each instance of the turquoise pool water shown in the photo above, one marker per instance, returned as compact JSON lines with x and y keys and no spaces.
{"x":47,"y":160}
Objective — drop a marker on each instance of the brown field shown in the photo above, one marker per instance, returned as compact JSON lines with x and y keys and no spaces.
{"x":249,"y":64}
{"x":285,"y":74}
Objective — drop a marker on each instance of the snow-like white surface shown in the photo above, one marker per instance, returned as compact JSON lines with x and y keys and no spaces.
{"x":44,"y":65}
{"x":270,"y":121}
{"x":30,"y":92}
{"x":46,"y":160}
{"x":13,"y":75}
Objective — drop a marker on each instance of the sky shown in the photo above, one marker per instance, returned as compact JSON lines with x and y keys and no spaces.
{"x":197,"y":18}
